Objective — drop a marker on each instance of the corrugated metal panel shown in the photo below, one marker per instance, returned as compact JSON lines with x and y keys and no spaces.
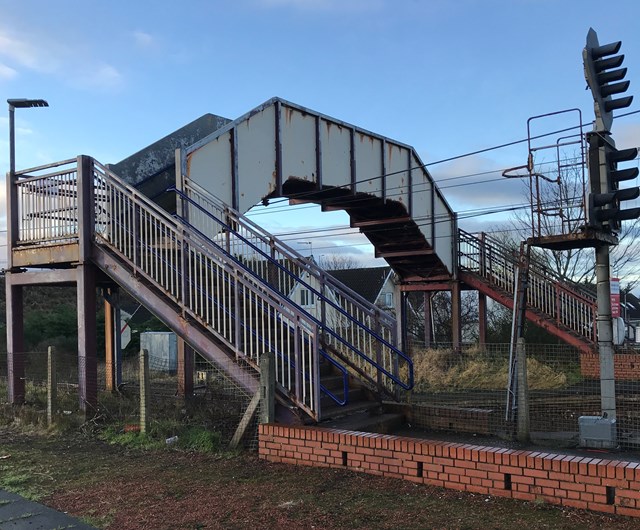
{"x":163,"y":350}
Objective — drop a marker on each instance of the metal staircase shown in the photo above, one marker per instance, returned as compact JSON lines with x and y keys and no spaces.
{"x":222,"y":292}
{"x":553,"y":302}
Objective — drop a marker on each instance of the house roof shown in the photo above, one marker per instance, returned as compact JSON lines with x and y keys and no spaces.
{"x":366,"y":282}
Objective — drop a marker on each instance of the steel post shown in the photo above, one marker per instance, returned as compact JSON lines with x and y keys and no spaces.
{"x":15,"y":340}
{"x":605,"y":334}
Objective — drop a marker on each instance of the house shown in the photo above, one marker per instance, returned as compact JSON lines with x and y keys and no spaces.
{"x":375,"y":285}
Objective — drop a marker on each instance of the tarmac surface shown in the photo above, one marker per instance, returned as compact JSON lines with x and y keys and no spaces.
{"x":18,"y":513}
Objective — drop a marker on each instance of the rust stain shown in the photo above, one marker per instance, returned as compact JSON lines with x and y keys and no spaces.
{"x":289,"y":114}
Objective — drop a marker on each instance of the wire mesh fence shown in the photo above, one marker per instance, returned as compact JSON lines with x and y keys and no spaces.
{"x":458,"y":391}
{"x":217,"y":404}
{"x":465,"y":390}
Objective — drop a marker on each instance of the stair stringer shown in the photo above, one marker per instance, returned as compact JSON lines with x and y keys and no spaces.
{"x":202,"y":341}
{"x":539,"y":319}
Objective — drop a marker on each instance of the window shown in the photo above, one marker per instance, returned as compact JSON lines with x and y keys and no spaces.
{"x":388,"y":299}
{"x":306,"y":298}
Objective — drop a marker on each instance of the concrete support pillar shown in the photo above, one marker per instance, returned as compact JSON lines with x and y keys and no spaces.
{"x":482,"y":319}
{"x":267,"y":388}
{"x":456,"y":315}
{"x":185,"y":369}
{"x":523,"y":392}
{"x":87,"y":358}
{"x":428,"y":332}
{"x":15,"y":340}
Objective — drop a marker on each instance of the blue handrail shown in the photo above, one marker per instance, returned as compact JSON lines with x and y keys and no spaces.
{"x":350,"y":346}
{"x":269,"y":259}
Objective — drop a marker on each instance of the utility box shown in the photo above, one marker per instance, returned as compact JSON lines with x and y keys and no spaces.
{"x":598,"y":432}
{"x":163,"y":350}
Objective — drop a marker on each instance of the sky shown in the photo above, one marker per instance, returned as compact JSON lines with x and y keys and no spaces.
{"x":447,"y":77}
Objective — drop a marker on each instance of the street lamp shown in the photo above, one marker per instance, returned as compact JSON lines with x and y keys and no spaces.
{"x":18,"y":104}
{"x":12,"y":191}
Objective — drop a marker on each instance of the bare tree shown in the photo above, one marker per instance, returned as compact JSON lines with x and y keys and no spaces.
{"x":336,"y":262}
{"x":561,"y":206}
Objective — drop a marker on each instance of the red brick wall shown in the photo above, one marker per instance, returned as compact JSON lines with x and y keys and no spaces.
{"x":579,"y":482}
{"x":626,"y":365}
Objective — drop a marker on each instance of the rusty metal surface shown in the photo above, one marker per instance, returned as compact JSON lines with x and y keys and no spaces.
{"x":46,"y":255}
{"x":281,"y":148}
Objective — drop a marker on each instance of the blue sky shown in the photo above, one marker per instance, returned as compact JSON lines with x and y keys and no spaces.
{"x":448,"y":77}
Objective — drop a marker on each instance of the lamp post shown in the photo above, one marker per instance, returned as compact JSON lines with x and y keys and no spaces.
{"x":14,"y":300}
{"x":12,"y":191}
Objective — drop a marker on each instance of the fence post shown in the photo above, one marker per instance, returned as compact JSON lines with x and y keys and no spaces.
{"x":267,"y":387}
{"x":144,"y":390}
{"x":523,"y":391}
{"x":52,"y":385}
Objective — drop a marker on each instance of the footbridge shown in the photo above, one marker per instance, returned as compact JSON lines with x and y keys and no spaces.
{"x":222,"y":283}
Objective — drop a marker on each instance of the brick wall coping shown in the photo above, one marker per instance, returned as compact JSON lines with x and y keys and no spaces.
{"x":584,"y":482}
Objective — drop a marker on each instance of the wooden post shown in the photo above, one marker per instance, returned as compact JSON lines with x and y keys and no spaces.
{"x":52,"y":385}
{"x":145,"y":390}
{"x":109,"y":357}
{"x":523,"y":391}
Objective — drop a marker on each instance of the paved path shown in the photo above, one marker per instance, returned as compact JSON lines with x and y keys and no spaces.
{"x":17,"y":513}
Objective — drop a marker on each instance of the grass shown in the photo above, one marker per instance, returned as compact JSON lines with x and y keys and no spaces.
{"x":441,"y":370}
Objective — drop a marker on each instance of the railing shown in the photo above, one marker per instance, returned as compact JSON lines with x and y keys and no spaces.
{"x":47,"y":204}
{"x":155,"y":247}
{"x":548,"y":292}
{"x":210,"y":289}
{"x":357,"y":330}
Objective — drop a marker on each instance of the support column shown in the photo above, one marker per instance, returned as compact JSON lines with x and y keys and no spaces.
{"x":456,"y":315}
{"x":112,"y":338}
{"x":109,"y":343}
{"x":15,"y":340}
{"x":428,"y":332}
{"x":482,"y":319}
{"x":605,"y":335}
{"x":185,"y":369}
{"x":87,"y":365}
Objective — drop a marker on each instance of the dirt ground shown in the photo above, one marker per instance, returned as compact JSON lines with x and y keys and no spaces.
{"x":116,"y":488}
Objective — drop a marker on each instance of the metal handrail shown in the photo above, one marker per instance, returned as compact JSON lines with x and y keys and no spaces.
{"x":351,"y":347}
{"x":357,"y":350}
{"x":170,"y":258}
{"x":256,"y":230}
{"x":548,"y":292}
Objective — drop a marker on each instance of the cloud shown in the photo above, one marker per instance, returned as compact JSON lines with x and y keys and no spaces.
{"x":103,"y":77}
{"x":323,"y":5}
{"x":24,"y":52}
{"x":44,"y":55}
{"x":6,"y":72}
{"x":143,"y":39}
